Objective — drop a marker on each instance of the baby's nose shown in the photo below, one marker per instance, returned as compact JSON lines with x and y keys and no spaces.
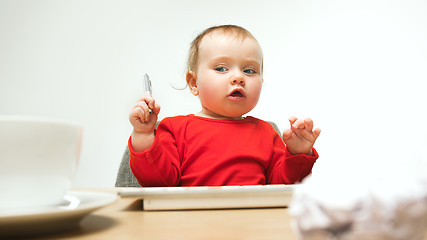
{"x":238,"y":79}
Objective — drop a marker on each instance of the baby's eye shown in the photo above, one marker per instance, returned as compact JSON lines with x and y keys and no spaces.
{"x":221,"y":69}
{"x":249,"y":71}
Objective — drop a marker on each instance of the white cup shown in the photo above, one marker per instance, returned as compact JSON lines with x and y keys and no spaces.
{"x":38,"y":160}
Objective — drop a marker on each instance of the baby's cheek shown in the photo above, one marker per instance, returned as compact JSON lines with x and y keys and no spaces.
{"x":255,"y":94}
{"x":208,"y":98}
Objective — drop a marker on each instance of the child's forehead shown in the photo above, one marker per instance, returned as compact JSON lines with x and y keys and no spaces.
{"x":229,"y":35}
{"x":220,"y":38}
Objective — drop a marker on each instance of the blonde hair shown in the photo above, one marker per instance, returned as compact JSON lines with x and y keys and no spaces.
{"x":193,"y":54}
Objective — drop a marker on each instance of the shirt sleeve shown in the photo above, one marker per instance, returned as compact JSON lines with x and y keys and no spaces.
{"x":287,"y":168}
{"x":158,"y":166}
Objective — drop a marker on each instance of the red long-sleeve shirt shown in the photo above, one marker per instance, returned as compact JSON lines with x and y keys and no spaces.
{"x":196,"y":151}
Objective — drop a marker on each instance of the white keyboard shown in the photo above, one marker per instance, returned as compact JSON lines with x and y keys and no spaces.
{"x":174,"y":198}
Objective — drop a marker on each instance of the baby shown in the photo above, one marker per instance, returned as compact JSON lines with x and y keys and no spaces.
{"x":219,"y":145}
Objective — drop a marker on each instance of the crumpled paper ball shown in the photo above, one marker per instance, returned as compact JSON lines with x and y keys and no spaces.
{"x":348,"y":208}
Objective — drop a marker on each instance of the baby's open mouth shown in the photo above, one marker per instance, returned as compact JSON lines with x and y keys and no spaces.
{"x":236,"y":93}
{"x":237,"y":96}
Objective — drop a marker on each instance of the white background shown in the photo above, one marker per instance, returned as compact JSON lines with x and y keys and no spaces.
{"x":357,"y":68}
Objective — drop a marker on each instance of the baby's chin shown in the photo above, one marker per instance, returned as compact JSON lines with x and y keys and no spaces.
{"x":229,"y":112}
{"x":235,"y":115}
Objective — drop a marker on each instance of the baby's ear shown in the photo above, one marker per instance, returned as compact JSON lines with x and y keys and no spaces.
{"x":192,"y":82}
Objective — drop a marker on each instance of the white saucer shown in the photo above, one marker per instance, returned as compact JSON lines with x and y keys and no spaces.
{"x":64,"y":216}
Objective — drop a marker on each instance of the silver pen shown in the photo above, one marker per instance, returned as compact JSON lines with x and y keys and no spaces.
{"x":146,"y":84}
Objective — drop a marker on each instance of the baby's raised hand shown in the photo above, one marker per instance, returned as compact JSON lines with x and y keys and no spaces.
{"x":142,"y":119}
{"x":300,"y":137}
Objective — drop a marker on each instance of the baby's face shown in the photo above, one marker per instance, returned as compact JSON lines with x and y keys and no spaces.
{"x":229,"y":75}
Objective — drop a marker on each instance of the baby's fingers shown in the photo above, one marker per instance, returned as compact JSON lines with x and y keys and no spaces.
{"x":287,"y":134}
{"x":316,"y":133}
{"x":309,"y":127}
{"x":298,"y":124}
{"x":308,"y":124}
{"x":148,"y":99}
{"x":156,"y":109}
{"x":292,"y":120}
{"x":142,"y":111}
